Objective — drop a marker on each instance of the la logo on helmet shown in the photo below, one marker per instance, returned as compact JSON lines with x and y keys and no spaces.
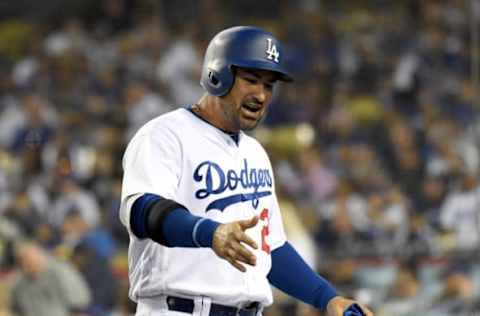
{"x":272,"y":52}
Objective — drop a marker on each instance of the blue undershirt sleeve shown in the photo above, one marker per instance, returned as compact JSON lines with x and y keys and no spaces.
{"x":180,"y":227}
{"x":139,"y":214}
{"x":291,"y":274}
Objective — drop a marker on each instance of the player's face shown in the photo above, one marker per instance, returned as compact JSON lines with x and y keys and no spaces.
{"x":246,"y":103}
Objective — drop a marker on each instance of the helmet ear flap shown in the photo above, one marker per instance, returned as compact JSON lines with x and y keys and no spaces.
{"x":215,"y":82}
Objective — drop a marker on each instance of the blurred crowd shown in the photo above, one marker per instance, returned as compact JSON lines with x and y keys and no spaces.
{"x":375,"y":146}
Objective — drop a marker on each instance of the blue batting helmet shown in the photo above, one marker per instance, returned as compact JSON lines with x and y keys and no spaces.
{"x":240,"y":46}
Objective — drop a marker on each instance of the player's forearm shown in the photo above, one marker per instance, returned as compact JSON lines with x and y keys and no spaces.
{"x":292,"y":275}
{"x":170,"y":223}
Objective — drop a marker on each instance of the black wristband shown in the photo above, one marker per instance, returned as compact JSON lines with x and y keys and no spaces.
{"x":156,"y":215}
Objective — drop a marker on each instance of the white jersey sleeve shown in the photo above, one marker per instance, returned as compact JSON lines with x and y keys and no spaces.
{"x":151,"y":164}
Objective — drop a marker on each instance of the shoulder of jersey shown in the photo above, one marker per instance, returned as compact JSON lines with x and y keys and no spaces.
{"x":173,"y":119}
{"x":177,"y":121}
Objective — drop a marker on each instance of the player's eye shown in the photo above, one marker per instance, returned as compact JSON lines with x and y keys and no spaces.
{"x":250,"y":80}
{"x":268,"y":86}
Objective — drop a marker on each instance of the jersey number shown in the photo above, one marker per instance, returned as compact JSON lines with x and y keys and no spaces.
{"x":265,"y":230}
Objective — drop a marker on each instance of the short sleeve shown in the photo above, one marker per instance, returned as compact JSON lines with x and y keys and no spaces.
{"x":152,"y":164}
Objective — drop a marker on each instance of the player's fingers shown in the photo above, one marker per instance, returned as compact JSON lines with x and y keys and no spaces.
{"x":230,"y":254}
{"x":366,"y":311}
{"x":237,"y":265}
{"x":244,"y":255}
{"x":248,"y":223}
{"x":244,"y":238}
{"x":236,"y":253}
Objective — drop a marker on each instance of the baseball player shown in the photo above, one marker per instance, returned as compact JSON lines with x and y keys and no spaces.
{"x":198,"y":197}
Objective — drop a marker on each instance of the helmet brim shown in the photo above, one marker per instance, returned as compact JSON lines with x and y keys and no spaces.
{"x":282,"y":74}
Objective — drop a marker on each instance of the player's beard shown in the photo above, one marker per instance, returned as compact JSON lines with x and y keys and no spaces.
{"x":250,"y":124}
{"x":239,"y":120}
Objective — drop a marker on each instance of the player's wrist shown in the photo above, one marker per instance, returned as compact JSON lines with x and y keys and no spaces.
{"x":203,"y":232}
{"x":332,"y":302}
{"x":327,"y":294}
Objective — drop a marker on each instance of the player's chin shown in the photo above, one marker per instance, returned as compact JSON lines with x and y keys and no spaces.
{"x":249,"y":124}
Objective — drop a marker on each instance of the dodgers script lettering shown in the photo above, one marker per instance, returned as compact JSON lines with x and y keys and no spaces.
{"x":216,"y":181}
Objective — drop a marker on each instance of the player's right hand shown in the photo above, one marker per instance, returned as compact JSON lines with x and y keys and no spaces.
{"x":228,"y":243}
{"x":339,"y":305}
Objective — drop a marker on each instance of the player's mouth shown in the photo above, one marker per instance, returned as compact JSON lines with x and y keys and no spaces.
{"x":251,"y":110}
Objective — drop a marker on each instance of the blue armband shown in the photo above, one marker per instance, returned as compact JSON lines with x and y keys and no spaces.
{"x":292,"y":275}
{"x":170,"y":223}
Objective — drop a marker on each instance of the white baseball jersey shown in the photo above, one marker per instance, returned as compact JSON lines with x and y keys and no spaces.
{"x":182,"y":157}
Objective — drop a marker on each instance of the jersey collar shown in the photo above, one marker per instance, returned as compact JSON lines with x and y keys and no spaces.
{"x":235,"y":136}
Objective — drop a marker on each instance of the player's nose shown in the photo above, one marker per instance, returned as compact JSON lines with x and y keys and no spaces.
{"x":261,"y":94}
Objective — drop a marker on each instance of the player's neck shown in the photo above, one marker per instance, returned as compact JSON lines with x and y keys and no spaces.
{"x":209,"y":108}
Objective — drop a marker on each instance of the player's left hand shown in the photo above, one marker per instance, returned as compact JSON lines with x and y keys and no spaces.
{"x":338,"y":305}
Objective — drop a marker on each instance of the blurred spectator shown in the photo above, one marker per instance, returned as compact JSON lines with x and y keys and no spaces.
{"x":318,"y":181}
{"x":402,"y":156}
{"x":457,"y":296}
{"x":24,"y":214}
{"x":179,"y":68}
{"x":443,"y":157}
{"x":30,"y":124}
{"x":342,"y":219}
{"x":71,"y":196}
{"x":459,"y":214}
{"x":404,"y":296}
{"x":104,"y":289}
{"x":36,"y":130}
{"x":77,"y":232}
{"x":70,"y":37}
{"x":388,"y":214}
{"x":46,"y":286}
{"x":141,"y":105}
{"x":114,"y":16}
{"x":431,"y":196}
